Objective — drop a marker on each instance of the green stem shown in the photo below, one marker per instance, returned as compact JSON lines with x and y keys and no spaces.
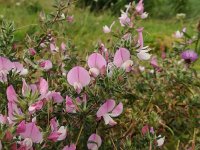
{"x":79,"y":134}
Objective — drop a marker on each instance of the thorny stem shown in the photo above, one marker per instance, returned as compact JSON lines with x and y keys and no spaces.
{"x":79,"y":134}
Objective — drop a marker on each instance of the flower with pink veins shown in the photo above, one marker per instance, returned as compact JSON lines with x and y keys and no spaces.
{"x":140,"y":7}
{"x":70,"y":106}
{"x":97,"y":64}
{"x":94,"y":142}
{"x":70,"y":147}
{"x":78,"y":77}
{"x":107,"y":29}
{"x":108,"y":110}
{"x":32,"y":132}
{"x":57,"y":134}
{"x":46,"y":65}
{"x":122,"y":59}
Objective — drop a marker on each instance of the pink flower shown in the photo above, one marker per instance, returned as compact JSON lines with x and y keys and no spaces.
{"x":3,"y":119}
{"x":144,"y":15}
{"x":108,"y":110}
{"x":70,"y":19}
{"x":21,"y":127}
{"x":36,"y":106}
{"x":25,"y":88}
{"x":11,"y":94}
{"x":70,"y":106}
{"x":5,"y":66}
{"x":107,"y":29}
{"x":32,"y":51}
{"x":57,"y":134}
{"x":140,"y":37}
{"x":140,"y":7}
{"x":70,"y":147}
{"x":94,"y":142}
{"x":122,"y":59}
{"x":32,"y":132}
{"x":43,"y":87}
{"x":124,"y":19}
{"x":78,"y":77}
{"x":97,"y":64}
{"x":178,"y":34}
{"x":53,"y":48}
{"x":26,"y":144}
{"x":143,"y":54}
{"x":12,"y":106}
{"x":145,"y":130}
{"x":46,"y":65}
{"x":154,"y":63}
{"x":18,"y":68}
{"x":56,"y":97}
{"x":63,"y":46}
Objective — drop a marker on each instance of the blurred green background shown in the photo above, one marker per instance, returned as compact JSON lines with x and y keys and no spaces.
{"x":91,"y":15}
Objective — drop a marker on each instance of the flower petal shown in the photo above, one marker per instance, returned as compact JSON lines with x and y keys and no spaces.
{"x":105,"y":108}
{"x":94,"y":142}
{"x":11,"y":94}
{"x":78,"y":75}
{"x":121,"y":55}
{"x":96,"y":60}
{"x":117,"y":110}
{"x":43,"y":86}
{"x":32,"y":132}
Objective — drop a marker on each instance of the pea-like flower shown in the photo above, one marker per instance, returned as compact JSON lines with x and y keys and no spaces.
{"x":78,"y":77}
{"x":46,"y":65}
{"x":70,"y":147}
{"x":140,"y":7}
{"x":97,"y":64}
{"x":107,"y":29}
{"x":122,"y":59}
{"x":108,"y":110}
{"x":32,"y":132}
{"x":94,"y":142}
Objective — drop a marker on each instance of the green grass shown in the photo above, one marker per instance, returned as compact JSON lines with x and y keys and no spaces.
{"x":87,"y":28}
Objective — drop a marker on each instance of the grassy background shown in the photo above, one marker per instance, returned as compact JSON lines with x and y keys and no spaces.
{"x":87,"y":28}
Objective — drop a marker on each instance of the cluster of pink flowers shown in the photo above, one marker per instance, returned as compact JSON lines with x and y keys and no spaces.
{"x":25,"y":105}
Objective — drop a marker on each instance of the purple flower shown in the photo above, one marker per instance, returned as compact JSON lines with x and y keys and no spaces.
{"x":189,"y":56}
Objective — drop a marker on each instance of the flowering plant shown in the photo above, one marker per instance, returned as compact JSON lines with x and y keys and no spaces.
{"x":122,"y":96}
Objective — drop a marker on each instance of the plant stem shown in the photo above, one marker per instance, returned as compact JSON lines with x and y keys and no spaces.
{"x":79,"y":134}
{"x":150,"y":145}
